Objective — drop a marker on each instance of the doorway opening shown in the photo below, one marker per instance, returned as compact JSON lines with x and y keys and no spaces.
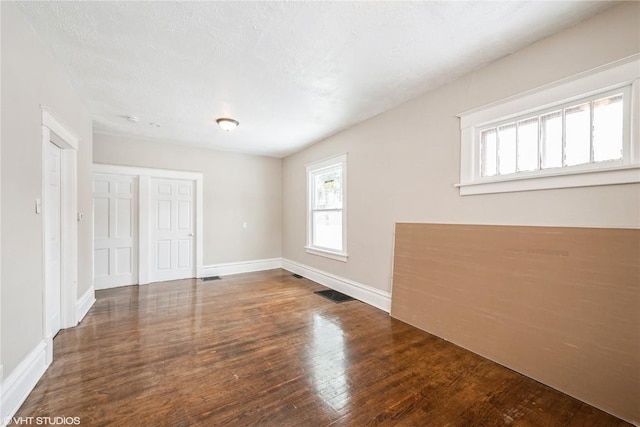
{"x":59,"y":225}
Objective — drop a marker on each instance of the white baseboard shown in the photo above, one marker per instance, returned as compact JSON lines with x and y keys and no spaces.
{"x":2,"y":420}
{"x":362,"y":292}
{"x":84,"y":303}
{"x":101,"y":286}
{"x":241,"y":267}
{"x":15,"y":389}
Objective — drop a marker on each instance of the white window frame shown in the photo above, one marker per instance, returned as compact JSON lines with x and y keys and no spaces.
{"x":312,"y":170}
{"x":623,"y":75}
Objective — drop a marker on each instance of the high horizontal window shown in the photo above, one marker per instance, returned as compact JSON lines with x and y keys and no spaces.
{"x":578,"y":132}
{"x":326,"y":224}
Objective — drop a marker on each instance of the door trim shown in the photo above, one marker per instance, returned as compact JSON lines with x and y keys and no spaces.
{"x":56,"y":131}
{"x":144,"y":209}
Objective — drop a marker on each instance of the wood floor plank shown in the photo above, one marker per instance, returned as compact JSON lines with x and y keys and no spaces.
{"x":261,"y":349}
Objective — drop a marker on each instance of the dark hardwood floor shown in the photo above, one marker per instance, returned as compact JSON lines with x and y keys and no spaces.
{"x":263,"y":349}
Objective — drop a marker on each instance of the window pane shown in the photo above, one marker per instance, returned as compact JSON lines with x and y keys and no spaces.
{"x":328,"y":189}
{"x":578,"y":134}
{"x":489,"y":147}
{"x":551,"y":143}
{"x":607,"y":129}
{"x":507,"y":149}
{"x":327,"y":230}
{"x":528,"y":144}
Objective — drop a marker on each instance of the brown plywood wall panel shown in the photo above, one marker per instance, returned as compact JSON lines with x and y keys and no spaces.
{"x":560,"y":305}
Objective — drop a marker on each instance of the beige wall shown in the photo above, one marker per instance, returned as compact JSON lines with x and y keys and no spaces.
{"x":237,"y":188}
{"x":403,"y":163}
{"x":30,"y":79}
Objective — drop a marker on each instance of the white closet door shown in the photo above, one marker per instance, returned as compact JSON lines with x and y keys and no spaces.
{"x":171,"y":229}
{"x":53,"y":227}
{"x":115,"y":231}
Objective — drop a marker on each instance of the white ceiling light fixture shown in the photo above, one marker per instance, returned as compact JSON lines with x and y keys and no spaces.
{"x":227,"y":124}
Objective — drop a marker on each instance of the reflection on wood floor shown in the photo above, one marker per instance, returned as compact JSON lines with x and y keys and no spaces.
{"x":262,"y":349}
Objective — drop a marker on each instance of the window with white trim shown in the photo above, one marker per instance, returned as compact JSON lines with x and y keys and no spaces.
{"x":326,"y":209}
{"x":578,"y":132}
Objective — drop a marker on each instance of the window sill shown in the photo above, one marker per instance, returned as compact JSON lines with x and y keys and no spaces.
{"x":586,"y":178}
{"x":338,"y":256}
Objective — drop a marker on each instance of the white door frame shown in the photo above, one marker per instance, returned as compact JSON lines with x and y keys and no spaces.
{"x":54,"y":130}
{"x":144,"y":210}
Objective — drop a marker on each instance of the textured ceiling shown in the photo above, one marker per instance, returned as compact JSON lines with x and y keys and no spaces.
{"x":292,"y":73}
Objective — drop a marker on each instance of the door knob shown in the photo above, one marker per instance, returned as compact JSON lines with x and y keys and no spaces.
{"x":190,"y":234}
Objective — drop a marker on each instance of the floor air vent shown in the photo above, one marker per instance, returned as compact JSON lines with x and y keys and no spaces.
{"x":206,"y":279}
{"x":334,"y":296}
{"x":297,"y":276}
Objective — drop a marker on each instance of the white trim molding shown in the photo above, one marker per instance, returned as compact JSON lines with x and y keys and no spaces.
{"x":136,"y":171}
{"x":241,"y":267}
{"x":144,"y":177}
{"x":56,"y":131}
{"x":621,"y":76}
{"x":367,"y":294}
{"x":587,"y":178}
{"x":58,"y":127}
{"x":338,"y":256}
{"x":2,"y":420}
{"x":312,"y":170}
{"x":15,"y":389}
{"x":84,"y":303}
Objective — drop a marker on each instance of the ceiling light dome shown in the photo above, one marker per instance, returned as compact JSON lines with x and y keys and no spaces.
{"x":227,"y":124}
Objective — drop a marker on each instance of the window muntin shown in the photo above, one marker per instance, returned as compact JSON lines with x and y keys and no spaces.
{"x":528,"y":134}
{"x":579,"y":133}
{"x":551,"y":140}
{"x":326,"y":234}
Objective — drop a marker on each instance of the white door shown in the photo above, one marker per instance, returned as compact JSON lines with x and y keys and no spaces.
{"x":171,"y":229}
{"x":52,"y":236}
{"x":115,"y":231}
